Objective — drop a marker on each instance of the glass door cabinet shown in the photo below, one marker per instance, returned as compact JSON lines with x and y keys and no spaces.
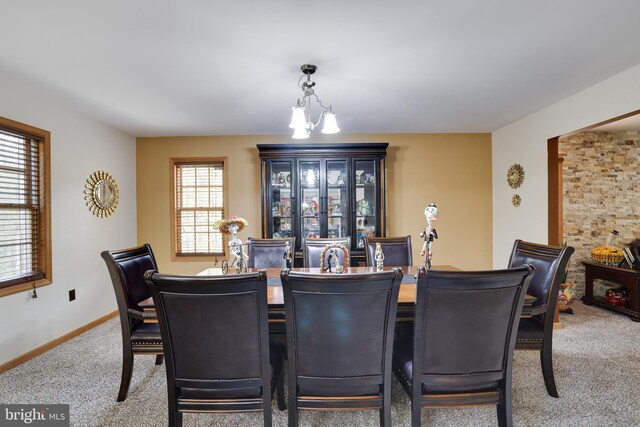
{"x":323,"y":190}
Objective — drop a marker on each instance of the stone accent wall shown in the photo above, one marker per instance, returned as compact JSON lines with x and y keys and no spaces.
{"x":601,"y":192}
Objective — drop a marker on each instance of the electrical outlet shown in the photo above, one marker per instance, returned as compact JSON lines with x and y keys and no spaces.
{"x":72,"y":294}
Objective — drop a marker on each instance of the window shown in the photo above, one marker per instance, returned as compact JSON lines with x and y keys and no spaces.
{"x":25,"y":243}
{"x":198,"y":201}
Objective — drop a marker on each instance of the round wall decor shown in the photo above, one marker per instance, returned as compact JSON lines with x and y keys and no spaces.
{"x":516,"y":200}
{"x":102,"y":194}
{"x":515,"y":175}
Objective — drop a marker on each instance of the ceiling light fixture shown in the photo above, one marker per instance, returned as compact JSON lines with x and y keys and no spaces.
{"x":301,"y":121}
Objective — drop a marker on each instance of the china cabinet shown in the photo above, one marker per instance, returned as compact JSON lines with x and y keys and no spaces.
{"x":323,"y":190}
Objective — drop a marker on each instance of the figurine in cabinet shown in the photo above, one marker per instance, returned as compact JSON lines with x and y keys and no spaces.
{"x":363,"y":207}
{"x":277,"y":209}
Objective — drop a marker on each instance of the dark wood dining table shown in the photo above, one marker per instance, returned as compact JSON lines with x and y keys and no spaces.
{"x":406,"y":297}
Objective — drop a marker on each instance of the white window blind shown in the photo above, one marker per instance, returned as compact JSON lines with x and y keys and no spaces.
{"x":199,"y":202}
{"x":20,"y":208}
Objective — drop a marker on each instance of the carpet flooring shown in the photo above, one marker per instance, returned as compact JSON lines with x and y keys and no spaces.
{"x":596,"y":358}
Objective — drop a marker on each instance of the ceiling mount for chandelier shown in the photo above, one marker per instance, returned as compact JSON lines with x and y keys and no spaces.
{"x":301,"y":121}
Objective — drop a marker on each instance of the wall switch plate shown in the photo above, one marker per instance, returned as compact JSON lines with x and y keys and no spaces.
{"x":72,"y":294}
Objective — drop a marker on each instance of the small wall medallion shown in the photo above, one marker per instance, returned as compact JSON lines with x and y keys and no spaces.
{"x":515,"y":175}
{"x":516,"y":200}
{"x":102,"y":194}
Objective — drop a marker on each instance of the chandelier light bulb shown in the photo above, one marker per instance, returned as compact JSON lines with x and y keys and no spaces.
{"x":330,"y":123}
{"x":297,"y":117}
{"x":300,"y":133}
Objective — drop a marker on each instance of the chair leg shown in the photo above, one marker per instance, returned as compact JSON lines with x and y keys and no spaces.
{"x":266,"y":410}
{"x":546,"y":360}
{"x":416,"y":409}
{"x":504,"y":408}
{"x":175,"y":416}
{"x":159,"y":359}
{"x":282,"y":404}
{"x":127,"y":369}
{"x":293,"y":397}
{"x":385,"y":417}
{"x":503,"y":417}
{"x":293,"y":415}
{"x":385,"y":411}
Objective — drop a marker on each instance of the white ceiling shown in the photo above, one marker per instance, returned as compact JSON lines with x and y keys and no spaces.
{"x":203,"y":67}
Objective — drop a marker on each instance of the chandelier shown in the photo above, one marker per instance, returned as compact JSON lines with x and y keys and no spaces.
{"x":301,"y":121}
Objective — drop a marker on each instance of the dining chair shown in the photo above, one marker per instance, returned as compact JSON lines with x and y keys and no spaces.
{"x":396,"y":250}
{"x":339,"y":340}
{"x":216,"y":342}
{"x":126,"y":268}
{"x":461,"y":352}
{"x":269,"y":253}
{"x":536,"y":333}
{"x":312,"y":250}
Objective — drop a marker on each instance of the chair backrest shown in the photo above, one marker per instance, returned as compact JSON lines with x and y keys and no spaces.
{"x":396,"y":250}
{"x":465,"y":326}
{"x":312,"y":250}
{"x":340,"y":330}
{"x":550,"y":263}
{"x":269,"y":253}
{"x":214,"y":330}
{"x":126,"y":268}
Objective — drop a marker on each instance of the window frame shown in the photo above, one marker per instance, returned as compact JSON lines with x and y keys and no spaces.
{"x":173,"y":162}
{"x":44,"y":211}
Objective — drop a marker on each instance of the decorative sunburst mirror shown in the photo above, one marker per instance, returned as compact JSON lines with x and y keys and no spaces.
{"x":516,"y":200}
{"x":515,"y":176}
{"x":102,"y":194}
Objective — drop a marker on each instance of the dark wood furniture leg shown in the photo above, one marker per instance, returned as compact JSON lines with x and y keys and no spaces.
{"x":127,"y":369}
{"x":546,"y":360}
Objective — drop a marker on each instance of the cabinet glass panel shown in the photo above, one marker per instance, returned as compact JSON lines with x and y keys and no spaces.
{"x":365,"y":199}
{"x":281,"y":199}
{"x":337,"y":199}
{"x":309,"y":199}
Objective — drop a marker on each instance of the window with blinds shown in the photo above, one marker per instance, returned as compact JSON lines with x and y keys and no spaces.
{"x":23,"y":234}
{"x":199,"y":201}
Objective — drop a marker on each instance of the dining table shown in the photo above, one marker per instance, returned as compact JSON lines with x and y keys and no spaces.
{"x":406,"y":296}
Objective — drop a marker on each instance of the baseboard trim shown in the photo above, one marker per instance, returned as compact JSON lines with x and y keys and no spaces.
{"x":56,"y":342}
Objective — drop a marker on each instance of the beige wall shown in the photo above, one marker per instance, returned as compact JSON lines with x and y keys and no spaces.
{"x":454,"y":170}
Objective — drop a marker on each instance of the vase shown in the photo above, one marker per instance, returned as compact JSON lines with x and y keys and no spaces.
{"x":566,"y":296}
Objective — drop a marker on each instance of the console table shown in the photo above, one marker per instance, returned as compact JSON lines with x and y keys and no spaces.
{"x":625,"y":277}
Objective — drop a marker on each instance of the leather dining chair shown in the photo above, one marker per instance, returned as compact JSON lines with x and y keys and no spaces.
{"x":396,"y":250}
{"x":536,"y":333}
{"x":468,"y":361}
{"x":312,"y":250}
{"x":339,"y":340}
{"x":126,"y":268}
{"x":216,"y":342}
{"x":269,"y":253}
